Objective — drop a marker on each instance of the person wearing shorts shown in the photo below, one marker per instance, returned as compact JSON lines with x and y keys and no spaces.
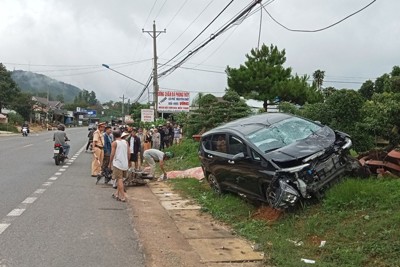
{"x":119,"y":161}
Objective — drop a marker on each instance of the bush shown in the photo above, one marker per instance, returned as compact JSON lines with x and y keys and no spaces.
{"x":8,"y":128}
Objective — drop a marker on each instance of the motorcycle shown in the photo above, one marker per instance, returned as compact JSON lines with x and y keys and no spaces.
{"x":59,"y":155}
{"x":25,"y":131}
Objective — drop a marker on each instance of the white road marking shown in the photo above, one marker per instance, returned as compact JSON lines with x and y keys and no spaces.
{"x":3,"y":227}
{"x":16,"y":212}
{"x":62,"y":170}
{"x":70,"y":160}
{"x":29,"y":200}
{"x":40,"y":190}
{"x":65,"y":166}
{"x":6,"y":221}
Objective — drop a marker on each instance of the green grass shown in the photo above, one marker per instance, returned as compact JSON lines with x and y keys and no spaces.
{"x":185,"y":155}
{"x":358,"y":219}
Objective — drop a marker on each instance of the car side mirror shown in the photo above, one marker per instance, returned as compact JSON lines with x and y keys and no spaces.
{"x":239,"y":156}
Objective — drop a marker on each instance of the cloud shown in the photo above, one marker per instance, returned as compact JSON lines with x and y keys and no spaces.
{"x":93,"y":32}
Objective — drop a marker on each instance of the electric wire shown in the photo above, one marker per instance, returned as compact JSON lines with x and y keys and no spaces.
{"x":159,"y":11}
{"x":190,"y":24}
{"x":236,"y":18}
{"x":321,"y":29}
{"x":198,"y":35}
{"x":177,"y":12}
{"x":259,"y":30}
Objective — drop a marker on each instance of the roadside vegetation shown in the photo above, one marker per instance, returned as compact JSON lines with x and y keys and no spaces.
{"x":358,"y":220}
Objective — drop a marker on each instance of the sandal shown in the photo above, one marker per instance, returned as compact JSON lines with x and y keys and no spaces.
{"x":114,"y":196}
{"x":121,"y":199}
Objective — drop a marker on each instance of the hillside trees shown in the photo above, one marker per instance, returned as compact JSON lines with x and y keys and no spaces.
{"x":8,"y":88}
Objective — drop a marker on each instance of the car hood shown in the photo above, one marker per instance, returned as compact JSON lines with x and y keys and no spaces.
{"x":316,"y":142}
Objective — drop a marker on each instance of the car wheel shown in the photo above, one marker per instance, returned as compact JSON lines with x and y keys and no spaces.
{"x":214,"y":184}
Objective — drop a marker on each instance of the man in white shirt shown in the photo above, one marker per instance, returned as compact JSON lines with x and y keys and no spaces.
{"x":151,"y":156}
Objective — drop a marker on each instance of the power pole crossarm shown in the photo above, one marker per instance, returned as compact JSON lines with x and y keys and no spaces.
{"x":154,"y":34}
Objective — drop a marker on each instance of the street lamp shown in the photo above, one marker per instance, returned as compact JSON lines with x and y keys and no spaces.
{"x":130,"y":78}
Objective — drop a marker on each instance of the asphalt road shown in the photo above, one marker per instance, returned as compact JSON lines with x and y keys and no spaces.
{"x":55,"y":215}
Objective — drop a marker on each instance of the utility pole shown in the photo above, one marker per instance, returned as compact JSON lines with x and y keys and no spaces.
{"x":123,"y":104}
{"x":154,"y":34}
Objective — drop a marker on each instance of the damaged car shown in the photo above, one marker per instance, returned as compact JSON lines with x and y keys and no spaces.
{"x":275,"y":158}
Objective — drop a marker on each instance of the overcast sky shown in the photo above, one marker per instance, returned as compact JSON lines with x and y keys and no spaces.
{"x":74,"y":37}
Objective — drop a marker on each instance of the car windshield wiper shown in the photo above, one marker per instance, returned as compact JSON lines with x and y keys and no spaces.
{"x":271,"y":149}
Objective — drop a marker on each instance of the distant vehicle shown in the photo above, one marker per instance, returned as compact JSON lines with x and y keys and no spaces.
{"x":275,"y":158}
{"x":92,"y":126}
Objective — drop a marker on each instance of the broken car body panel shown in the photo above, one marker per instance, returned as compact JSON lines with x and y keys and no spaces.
{"x":274,"y":157}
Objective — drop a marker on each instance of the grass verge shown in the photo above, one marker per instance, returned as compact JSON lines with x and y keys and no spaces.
{"x":359,"y":220}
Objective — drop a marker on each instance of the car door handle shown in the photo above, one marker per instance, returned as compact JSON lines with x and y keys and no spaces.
{"x":231,"y":162}
{"x":210,"y":156}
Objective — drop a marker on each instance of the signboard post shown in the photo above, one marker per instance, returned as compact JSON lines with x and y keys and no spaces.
{"x":147,"y":115}
{"x":173,"y":101}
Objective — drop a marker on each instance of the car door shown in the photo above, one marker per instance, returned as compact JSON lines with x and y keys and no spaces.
{"x":248,"y":171}
{"x":215,"y":158}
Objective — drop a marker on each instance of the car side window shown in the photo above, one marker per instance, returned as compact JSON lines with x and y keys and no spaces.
{"x":206,"y":143}
{"x":235,"y":145}
{"x":218,"y":143}
{"x":255,"y":155}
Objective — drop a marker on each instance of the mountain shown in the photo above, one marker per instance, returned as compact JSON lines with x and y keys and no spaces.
{"x":39,"y":85}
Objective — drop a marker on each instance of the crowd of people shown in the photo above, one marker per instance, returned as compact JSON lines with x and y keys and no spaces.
{"x":119,"y":149}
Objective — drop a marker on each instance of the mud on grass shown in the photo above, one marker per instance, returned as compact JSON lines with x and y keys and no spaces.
{"x":359,"y":220}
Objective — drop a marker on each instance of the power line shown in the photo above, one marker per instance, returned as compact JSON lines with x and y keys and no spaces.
{"x":159,"y":11}
{"x":198,"y":35}
{"x":236,"y":18}
{"x":177,"y":12}
{"x":259,"y":30}
{"x":190,"y":24}
{"x":197,"y":69}
{"x":321,"y":29}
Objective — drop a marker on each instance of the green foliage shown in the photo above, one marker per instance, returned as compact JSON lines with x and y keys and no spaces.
{"x":263,"y":77}
{"x":213,"y":111}
{"x":23,"y":105}
{"x":185,"y":155}
{"x":8,"y":88}
{"x":367,"y":89}
{"x":15,"y":118}
{"x":318,"y":77}
{"x":8,"y":127}
{"x":358,"y":220}
{"x":381,"y":116}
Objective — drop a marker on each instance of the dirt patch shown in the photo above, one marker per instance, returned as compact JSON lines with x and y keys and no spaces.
{"x":268,"y":214}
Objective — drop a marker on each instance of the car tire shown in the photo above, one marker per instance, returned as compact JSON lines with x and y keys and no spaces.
{"x":214,"y":184}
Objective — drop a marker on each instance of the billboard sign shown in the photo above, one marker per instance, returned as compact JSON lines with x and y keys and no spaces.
{"x":172,"y":101}
{"x":91,"y":113}
{"x":147,"y":115}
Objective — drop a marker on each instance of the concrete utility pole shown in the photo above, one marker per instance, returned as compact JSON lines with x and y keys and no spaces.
{"x":154,"y":34}
{"x":123,"y":111}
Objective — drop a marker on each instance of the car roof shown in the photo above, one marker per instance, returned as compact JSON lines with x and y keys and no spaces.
{"x":252,"y":123}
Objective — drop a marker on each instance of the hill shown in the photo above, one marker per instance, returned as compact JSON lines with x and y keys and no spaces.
{"x":38,"y":85}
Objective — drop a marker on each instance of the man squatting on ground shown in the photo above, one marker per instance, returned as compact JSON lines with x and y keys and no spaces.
{"x":119,"y":161}
{"x":98,"y":150}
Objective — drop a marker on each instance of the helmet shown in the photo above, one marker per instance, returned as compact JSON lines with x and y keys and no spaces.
{"x":169,"y":154}
{"x":61,"y":127}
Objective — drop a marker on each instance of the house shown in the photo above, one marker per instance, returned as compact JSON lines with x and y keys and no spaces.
{"x":47,"y":111}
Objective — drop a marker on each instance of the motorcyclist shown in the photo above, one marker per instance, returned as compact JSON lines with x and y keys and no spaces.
{"x":60,"y":137}
{"x":26,"y":125}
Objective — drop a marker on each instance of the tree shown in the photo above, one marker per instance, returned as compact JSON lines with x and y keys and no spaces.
{"x":262,"y":77}
{"x":367,"y":89}
{"x":23,"y":104}
{"x":8,"y":88}
{"x":318,"y":76}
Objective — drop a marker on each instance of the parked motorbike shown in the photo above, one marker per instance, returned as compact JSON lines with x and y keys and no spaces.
{"x":59,"y":155}
{"x":25,"y":131}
